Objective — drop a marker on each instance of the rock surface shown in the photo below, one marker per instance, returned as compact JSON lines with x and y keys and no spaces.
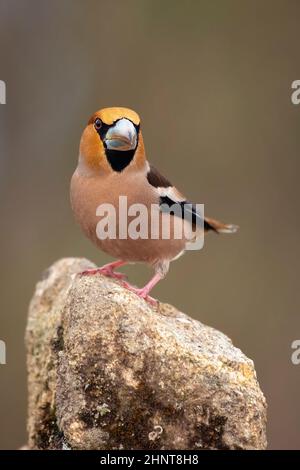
{"x":108,"y":371}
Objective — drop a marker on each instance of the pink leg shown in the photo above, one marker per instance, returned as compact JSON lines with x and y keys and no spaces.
{"x":107,"y":270}
{"x":144,"y":291}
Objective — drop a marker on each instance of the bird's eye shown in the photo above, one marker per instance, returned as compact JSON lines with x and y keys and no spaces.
{"x":98,"y":124}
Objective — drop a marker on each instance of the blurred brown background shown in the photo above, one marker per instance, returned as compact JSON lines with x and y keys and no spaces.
{"x":211,"y":81}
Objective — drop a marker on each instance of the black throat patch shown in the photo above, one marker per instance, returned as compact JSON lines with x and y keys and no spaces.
{"x":118,"y":159}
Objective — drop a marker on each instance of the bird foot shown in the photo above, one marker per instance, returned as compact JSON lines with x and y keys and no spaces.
{"x":142,"y":293}
{"x":106,"y":271}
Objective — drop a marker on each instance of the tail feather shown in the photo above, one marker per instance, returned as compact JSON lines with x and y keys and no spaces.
{"x":219,"y":227}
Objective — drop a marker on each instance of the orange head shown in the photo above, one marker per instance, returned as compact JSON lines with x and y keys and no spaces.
{"x":112,"y":141}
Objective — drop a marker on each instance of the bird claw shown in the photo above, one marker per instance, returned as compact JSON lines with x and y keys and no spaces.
{"x":142,"y":293}
{"x":151,"y":300}
{"x":116,"y":275}
{"x":105,"y":271}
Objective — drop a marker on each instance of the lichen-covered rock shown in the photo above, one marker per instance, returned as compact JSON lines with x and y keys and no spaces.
{"x":108,"y":371}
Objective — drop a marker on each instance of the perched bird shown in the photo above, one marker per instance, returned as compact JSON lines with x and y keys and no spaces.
{"x":112,"y":163}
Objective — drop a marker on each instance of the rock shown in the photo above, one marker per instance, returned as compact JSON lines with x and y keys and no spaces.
{"x":108,"y":371}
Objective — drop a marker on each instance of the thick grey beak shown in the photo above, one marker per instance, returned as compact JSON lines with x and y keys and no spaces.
{"x":122,"y":136}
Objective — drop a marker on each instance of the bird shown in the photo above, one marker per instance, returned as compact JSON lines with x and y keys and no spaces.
{"x":112,"y":164}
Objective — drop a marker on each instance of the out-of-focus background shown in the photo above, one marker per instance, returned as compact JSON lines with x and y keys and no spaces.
{"x":212,"y":83}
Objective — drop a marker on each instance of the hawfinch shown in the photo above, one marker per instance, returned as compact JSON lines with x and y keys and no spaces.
{"x":112,"y":163}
